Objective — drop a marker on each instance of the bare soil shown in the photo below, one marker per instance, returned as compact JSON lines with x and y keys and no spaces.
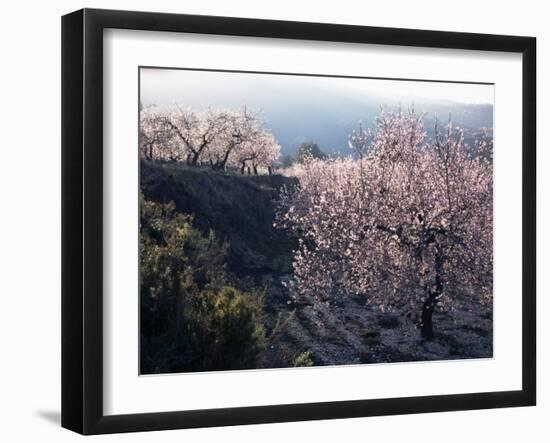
{"x":354,"y":332}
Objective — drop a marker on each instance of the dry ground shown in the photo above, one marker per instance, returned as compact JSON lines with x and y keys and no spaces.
{"x":354,"y":333}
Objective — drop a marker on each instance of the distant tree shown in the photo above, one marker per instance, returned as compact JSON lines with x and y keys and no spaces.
{"x":240,"y":128}
{"x":269,"y":152}
{"x":262,"y":150}
{"x":193,"y":133}
{"x":286,"y":161}
{"x":155,"y":141}
{"x":309,"y":149}
{"x":219,"y":138}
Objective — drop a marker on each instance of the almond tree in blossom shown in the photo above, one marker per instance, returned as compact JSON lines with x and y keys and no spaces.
{"x":270,"y":153}
{"x":193,"y":133}
{"x":219,"y":138}
{"x":418,"y":235}
{"x":260,"y":151}
{"x":155,"y":139}
{"x":239,"y":128}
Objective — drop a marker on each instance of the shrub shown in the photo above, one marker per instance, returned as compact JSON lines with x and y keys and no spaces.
{"x":230,"y":332}
{"x":190,"y":320}
{"x":305,"y":359}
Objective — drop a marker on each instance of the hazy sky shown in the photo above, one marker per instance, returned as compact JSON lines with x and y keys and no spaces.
{"x":225,"y":89}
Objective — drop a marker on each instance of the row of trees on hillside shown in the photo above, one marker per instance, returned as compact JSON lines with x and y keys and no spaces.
{"x":219,"y":138}
{"x":407,"y":223}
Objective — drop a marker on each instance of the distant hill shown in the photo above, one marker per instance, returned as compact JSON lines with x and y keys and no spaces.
{"x":320,"y":125}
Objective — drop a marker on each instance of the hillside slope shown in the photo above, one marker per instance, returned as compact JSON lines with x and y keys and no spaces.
{"x":238,"y":208}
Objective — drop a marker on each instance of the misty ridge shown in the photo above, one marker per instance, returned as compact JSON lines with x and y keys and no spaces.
{"x":330,"y":131}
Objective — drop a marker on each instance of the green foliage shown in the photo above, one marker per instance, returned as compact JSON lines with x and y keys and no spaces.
{"x":280,"y":324}
{"x":286,"y":160}
{"x":309,"y":149}
{"x":305,"y":359}
{"x":190,"y":319}
{"x":232,"y":332}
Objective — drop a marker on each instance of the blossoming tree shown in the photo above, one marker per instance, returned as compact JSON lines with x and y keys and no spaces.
{"x":194,"y":133}
{"x":261,"y":151}
{"x":219,"y":138}
{"x":408,"y":225}
{"x":155,"y":140}
{"x":240,"y":128}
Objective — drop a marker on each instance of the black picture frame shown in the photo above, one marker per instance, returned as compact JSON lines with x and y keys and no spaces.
{"x":82,"y":218}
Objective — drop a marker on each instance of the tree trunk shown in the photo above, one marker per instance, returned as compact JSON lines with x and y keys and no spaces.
{"x":223,"y":162}
{"x":242,"y":168}
{"x":434,"y":292}
{"x":248,"y":170}
{"x":255,"y":170}
{"x":195,"y":158}
{"x":270,"y":170}
{"x":426,"y":325}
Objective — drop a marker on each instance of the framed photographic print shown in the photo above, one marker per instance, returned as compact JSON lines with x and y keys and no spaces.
{"x":269,"y":221}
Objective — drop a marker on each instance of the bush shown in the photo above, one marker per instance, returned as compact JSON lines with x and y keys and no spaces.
{"x":230,"y":332}
{"x":305,"y":359}
{"x":190,"y":320}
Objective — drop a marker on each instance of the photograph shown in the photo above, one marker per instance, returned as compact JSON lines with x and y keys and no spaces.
{"x":292,"y":220}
